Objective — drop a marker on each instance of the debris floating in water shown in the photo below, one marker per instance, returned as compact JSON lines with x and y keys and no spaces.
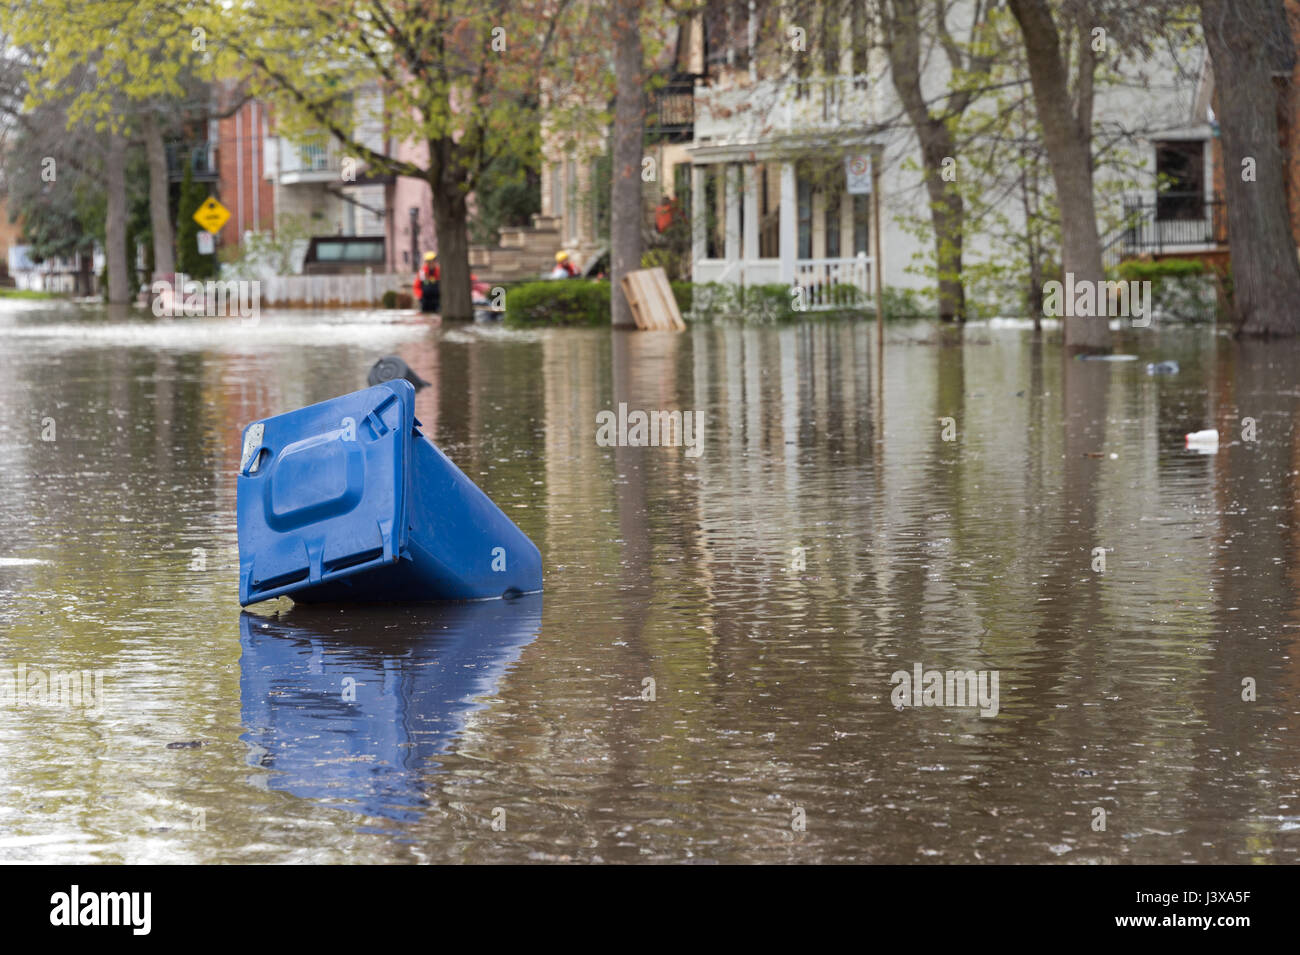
{"x":1206,"y":442}
{"x":1162,"y":368}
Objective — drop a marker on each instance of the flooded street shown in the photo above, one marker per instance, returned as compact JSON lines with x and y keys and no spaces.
{"x":710,"y":663}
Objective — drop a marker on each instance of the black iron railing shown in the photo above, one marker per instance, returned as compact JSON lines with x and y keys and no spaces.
{"x":200,"y":156}
{"x":1174,"y":222}
{"x":672,"y":113}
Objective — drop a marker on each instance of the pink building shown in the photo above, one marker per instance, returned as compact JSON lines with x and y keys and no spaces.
{"x":409,"y":201}
{"x":242,"y":185}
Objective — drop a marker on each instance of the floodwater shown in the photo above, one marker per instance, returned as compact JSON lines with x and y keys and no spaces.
{"x":707,"y":676}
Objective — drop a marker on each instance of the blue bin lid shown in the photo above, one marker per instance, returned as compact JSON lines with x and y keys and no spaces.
{"x":321,"y":492}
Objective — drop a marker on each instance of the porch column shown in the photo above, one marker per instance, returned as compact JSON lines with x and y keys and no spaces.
{"x":699,"y":244}
{"x":789,"y":244}
{"x":750,"y":200}
{"x":732,"y":180}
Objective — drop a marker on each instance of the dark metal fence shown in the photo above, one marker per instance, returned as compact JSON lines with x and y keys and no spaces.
{"x":1174,"y":222}
{"x":199,"y":156}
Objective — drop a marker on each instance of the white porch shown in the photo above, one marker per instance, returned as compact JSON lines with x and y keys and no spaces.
{"x":781,"y":221}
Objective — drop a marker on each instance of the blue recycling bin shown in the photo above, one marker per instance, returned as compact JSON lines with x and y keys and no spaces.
{"x":347,"y":500}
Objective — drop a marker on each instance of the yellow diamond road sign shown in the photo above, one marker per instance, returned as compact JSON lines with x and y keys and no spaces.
{"x":212,"y":215}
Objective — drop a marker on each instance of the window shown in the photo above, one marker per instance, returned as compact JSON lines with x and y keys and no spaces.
{"x":738,"y":173}
{"x":571,"y":200}
{"x":801,"y":12}
{"x":343,"y":251}
{"x":714,"y":212}
{"x":830,"y":38}
{"x":683,"y":201}
{"x":805,"y":218}
{"x":860,"y":38}
{"x":1180,"y":177}
{"x":726,"y":33}
{"x":769,"y":211}
{"x":832,"y":221}
{"x":601,"y":171}
{"x":862,"y":224}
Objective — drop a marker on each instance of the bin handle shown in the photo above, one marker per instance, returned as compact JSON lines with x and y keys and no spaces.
{"x":252,"y":449}
{"x":377,"y":425}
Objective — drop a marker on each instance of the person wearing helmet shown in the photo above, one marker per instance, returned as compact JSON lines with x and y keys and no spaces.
{"x":430,"y":293}
{"x":564,"y":267}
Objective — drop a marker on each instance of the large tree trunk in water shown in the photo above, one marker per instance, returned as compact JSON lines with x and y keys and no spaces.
{"x":160,"y":220}
{"x":1249,"y":43}
{"x":451,"y":223}
{"x":1067,"y":136}
{"x":629,"y":126}
{"x":115,"y":251}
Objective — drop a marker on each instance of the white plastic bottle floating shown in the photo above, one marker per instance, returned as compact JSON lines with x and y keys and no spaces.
{"x":1206,"y":442}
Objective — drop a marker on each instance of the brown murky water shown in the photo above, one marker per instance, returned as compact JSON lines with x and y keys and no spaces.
{"x":826,"y":537}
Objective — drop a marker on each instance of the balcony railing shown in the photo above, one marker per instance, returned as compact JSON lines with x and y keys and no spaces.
{"x":672,"y":115}
{"x":307,"y":162}
{"x":824,"y":101}
{"x":314,"y":158}
{"x":814,"y":104}
{"x":200,"y":156}
{"x":1175,"y":222}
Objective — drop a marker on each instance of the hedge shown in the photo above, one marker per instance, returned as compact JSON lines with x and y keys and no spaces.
{"x":1181,"y":289}
{"x":558,"y":302}
{"x":578,"y":302}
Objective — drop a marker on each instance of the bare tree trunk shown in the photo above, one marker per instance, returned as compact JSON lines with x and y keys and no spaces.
{"x":85,"y":271}
{"x":115,"y":250}
{"x":160,"y":220}
{"x":947,"y":211}
{"x":451,"y":223}
{"x":1067,"y":136}
{"x":1029,"y":206}
{"x":629,"y":129}
{"x":1250,"y":44}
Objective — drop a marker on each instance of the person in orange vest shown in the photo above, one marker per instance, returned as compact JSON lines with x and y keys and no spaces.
{"x":665,"y":213}
{"x":426,"y":283}
{"x":564,"y":267}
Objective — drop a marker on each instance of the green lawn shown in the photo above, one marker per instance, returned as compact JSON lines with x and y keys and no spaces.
{"x":25,"y":293}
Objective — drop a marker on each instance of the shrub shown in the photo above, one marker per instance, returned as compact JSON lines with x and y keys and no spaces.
{"x":1185,"y":289}
{"x":670,"y":259}
{"x":903,"y":303}
{"x":388,"y":299}
{"x":558,"y":302}
{"x":576,"y":302}
{"x":1138,"y":270}
{"x":188,"y":258}
{"x":761,"y":304}
{"x":684,"y":293}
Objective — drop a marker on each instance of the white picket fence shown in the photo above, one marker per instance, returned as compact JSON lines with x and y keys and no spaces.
{"x":313,"y":290}
{"x":833,"y":283}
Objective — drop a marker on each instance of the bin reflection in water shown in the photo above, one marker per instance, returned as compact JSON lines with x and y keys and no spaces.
{"x":354,"y":708}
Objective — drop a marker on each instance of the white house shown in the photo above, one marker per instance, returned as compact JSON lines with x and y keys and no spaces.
{"x":763,"y":162}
